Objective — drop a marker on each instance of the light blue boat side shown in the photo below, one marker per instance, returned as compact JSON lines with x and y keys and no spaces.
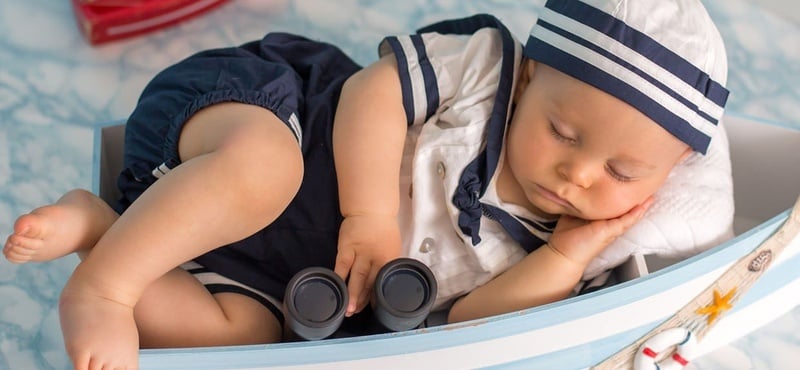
{"x":406,"y":344}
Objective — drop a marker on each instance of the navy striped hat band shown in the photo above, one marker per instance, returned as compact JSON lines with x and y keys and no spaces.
{"x":610,"y":52}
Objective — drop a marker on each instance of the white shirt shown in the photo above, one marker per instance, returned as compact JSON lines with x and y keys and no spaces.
{"x":458,"y":85}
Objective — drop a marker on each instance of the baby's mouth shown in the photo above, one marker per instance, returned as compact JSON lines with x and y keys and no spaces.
{"x":553,"y":197}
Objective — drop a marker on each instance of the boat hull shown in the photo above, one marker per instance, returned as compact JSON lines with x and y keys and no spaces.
{"x":575,"y":333}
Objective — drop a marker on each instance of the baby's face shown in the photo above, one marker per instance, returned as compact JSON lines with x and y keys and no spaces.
{"x":574,"y":149}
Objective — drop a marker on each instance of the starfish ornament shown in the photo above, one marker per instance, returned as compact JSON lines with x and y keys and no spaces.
{"x":718,"y":306}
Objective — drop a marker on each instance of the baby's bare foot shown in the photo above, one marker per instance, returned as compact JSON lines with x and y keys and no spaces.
{"x":75,"y":222}
{"x":98,"y":333}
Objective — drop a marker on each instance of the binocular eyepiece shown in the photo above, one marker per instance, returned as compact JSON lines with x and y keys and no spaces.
{"x":316,"y":298}
{"x":404,"y":292}
{"x":315,"y":303}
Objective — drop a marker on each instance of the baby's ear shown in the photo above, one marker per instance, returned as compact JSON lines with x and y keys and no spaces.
{"x":529,"y":66}
{"x":525,"y":77}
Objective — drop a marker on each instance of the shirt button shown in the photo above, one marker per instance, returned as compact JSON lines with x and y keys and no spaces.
{"x":440,"y":169}
{"x":427,"y":245}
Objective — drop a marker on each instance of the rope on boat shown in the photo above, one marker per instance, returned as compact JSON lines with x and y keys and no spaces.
{"x":698,"y":316}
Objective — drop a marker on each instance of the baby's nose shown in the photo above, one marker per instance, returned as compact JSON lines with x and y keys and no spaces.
{"x":577,"y":172}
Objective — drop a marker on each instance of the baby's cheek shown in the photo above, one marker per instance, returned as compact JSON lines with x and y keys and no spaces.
{"x":617,"y":203}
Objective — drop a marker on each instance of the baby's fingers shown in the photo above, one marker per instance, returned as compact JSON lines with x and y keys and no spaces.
{"x":366,"y":292}
{"x":621,"y":224}
{"x":357,"y":286}
{"x":344,"y":261}
{"x":636,"y":213}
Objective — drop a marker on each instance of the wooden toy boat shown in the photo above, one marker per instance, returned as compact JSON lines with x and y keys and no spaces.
{"x":632,"y":319}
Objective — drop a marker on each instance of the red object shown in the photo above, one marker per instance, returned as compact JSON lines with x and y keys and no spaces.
{"x":106,"y":20}
{"x":677,"y":357}
{"x":112,"y":2}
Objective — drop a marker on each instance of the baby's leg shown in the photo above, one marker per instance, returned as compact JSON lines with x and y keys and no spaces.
{"x":174,"y":311}
{"x":178,"y":311}
{"x":74,"y":223}
{"x":241,"y":168}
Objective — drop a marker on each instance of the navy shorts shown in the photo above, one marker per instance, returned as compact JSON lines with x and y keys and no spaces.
{"x":300,"y":81}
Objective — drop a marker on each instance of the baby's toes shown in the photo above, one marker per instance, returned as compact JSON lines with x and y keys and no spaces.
{"x":19,"y":250}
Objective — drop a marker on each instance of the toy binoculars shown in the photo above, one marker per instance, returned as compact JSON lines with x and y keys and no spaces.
{"x":316,"y":299}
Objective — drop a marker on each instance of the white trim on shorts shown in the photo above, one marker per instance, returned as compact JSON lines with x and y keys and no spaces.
{"x":212,"y":278}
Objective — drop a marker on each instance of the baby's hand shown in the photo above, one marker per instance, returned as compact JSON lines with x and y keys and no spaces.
{"x":581,"y":241}
{"x":366,"y":243}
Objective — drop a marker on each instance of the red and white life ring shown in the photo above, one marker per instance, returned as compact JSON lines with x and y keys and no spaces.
{"x":686,"y":350}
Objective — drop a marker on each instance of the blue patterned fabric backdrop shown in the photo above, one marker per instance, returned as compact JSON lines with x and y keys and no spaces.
{"x":55,"y":88}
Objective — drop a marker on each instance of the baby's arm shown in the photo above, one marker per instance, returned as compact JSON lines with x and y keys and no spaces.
{"x":549,"y":273}
{"x":368,"y":137}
